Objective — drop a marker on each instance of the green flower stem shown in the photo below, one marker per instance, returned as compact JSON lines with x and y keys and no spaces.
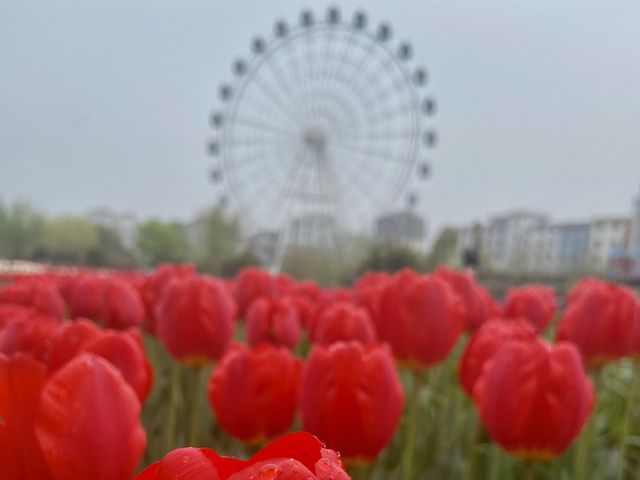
{"x":197,"y":387}
{"x":412,"y":420}
{"x":470,"y":462}
{"x":581,"y":459}
{"x":172,"y":414}
{"x":527,"y":467}
{"x":632,"y":399}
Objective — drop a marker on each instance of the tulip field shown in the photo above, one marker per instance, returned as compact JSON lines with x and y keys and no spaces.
{"x":172,"y":374}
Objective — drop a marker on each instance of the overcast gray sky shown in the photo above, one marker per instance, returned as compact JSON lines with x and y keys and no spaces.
{"x":106,"y":102}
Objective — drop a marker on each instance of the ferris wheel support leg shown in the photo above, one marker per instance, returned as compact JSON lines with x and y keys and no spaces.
{"x":281,"y":249}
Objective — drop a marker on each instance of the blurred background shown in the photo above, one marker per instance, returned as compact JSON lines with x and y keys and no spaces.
{"x":511,"y":148}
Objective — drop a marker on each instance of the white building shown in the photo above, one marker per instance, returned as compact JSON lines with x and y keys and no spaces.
{"x":541,"y":250}
{"x":506,"y":240}
{"x":609,"y":236}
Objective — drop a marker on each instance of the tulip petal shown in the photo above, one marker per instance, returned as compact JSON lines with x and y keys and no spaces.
{"x":302,"y":446}
{"x":88,"y":422}
{"x":21,"y":382}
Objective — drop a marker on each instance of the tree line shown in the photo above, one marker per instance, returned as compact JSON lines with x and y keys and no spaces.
{"x":213,"y":241}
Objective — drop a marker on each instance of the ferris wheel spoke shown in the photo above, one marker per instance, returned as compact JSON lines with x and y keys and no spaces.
{"x":356,"y":181}
{"x":360,"y":63}
{"x":389,"y":114}
{"x":284,"y":86}
{"x":260,"y":125}
{"x":262,"y":180}
{"x":329,"y":44}
{"x":310,"y":75}
{"x":270,"y":93}
{"x":361,"y":165}
{"x":381,"y":96}
{"x":346,"y":49}
{"x":299,"y":77}
{"x":374,"y":78}
{"x":252,"y":142}
{"x":369,"y":88}
{"x":366,"y":152}
{"x":385,"y":135}
{"x":262,"y":110}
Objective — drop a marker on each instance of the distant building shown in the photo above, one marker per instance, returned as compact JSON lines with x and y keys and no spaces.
{"x":572,"y":246}
{"x":609,"y":236}
{"x":528,"y":243}
{"x":506,"y":240}
{"x":403,"y":228}
{"x":548,"y":248}
{"x":542,"y":249}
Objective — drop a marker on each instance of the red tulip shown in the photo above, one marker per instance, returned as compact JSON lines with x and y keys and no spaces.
{"x":485,"y":343}
{"x":122,"y":305}
{"x":29,"y":335}
{"x":252,"y":283}
{"x":88,"y":422}
{"x":479,"y":306}
{"x":125,"y":351}
{"x":85,"y":295}
{"x":254,"y":392}
{"x":36,"y":293}
{"x":273,"y":320}
{"x":535,"y":303}
{"x":80,"y":423}
{"x":601,"y":322}
{"x":368,"y":290}
{"x":296,"y":456}
{"x":420,"y":317}
{"x":351,"y":397}
{"x":534,"y":399}
{"x":9,"y":311}
{"x":582,"y":285}
{"x":285,"y":285}
{"x":69,"y":340}
{"x":343,"y":321}
{"x":21,"y":381}
{"x":151,"y":291}
{"x":195,"y":319}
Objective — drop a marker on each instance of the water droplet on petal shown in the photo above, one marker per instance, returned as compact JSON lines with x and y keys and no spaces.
{"x":269,"y":472}
{"x":323,"y":464}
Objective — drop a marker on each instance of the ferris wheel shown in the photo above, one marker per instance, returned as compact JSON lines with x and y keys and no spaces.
{"x":323,"y":126}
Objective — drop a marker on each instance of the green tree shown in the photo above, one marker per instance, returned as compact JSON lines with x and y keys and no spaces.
{"x":69,"y":239}
{"x":444,"y":248}
{"x":216,"y":241}
{"x":232,"y":265}
{"x":161,"y":242}
{"x":21,"y":230}
{"x":109,"y":250}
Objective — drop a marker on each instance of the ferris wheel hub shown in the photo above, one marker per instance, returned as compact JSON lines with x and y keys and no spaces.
{"x":316,"y":140}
